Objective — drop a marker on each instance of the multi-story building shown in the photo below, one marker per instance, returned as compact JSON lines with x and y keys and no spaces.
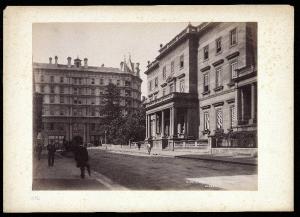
{"x":73,"y":95}
{"x":202,"y":86}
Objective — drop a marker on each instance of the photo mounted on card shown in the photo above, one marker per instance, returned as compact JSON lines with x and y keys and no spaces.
{"x":162,"y":108}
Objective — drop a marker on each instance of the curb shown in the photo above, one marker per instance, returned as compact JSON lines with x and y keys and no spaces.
{"x":218,"y":160}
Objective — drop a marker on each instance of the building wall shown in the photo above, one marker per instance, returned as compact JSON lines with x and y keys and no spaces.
{"x":58,"y":116}
{"x":174,"y":55}
{"x":223,"y":98}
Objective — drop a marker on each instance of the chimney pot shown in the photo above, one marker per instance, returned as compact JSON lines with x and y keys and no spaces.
{"x":50,"y":60}
{"x":102,"y":65}
{"x":56,"y":58}
{"x":85,"y":62}
{"x":69,"y":61}
{"x":161,"y":45}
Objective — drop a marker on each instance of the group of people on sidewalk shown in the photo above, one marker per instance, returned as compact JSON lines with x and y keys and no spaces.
{"x":80,"y":154}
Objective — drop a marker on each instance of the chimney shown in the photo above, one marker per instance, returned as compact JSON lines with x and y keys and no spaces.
{"x":137,"y":68}
{"x":69,"y":61}
{"x":85,"y":62}
{"x":56,"y":58}
{"x":102,"y":65}
{"x":121,"y":65}
{"x":50,"y":60}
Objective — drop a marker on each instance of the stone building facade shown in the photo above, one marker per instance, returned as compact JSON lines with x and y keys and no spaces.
{"x":202,"y":87}
{"x":73,"y":96}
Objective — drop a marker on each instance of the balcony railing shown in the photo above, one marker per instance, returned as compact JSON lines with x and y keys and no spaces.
{"x":171,"y":97}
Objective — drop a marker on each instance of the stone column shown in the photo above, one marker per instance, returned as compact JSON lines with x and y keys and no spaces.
{"x":253,"y":98}
{"x":149,"y":126}
{"x":237,"y":106}
{"x":146,"y":126}
{"x":242,"y":105}
{"x":162,"y":123}
{"x":174,"y":122}
{"x":171,"y":123}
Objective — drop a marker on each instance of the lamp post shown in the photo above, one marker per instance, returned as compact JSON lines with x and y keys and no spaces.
{"x":105,"y":139}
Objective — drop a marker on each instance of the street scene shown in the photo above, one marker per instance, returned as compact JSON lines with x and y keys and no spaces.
{"x":117,"y":109}
{"x":119,"y":169}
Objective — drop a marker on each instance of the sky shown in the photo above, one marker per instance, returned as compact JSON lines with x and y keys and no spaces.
{"x":103,"y":43}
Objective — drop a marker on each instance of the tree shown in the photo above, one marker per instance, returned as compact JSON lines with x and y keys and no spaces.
{"x":112,"y":112}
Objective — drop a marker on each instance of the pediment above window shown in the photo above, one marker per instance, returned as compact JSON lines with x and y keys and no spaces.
{"x":218,"y":62}
{"x":235,"y":54}
{"x":205,"y":68}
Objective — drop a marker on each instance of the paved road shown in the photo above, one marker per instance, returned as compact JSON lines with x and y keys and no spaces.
{"x":165,"y":173}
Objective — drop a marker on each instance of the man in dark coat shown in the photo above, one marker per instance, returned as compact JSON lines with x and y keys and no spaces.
{"x":51,"y":152}
{"x":82,"y":157}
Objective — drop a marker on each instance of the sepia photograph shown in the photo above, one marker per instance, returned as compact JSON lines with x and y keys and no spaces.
{"x":148,"y":108}
{"x":175,"y":110}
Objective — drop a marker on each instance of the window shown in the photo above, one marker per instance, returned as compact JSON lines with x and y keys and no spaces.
{"x":218,"y":45}
{"x":171,"y":88}
{"x":110,"y":81}
{"x":232,"y":116}
{"x":93,"y":112}
{"x":206,"y":121}
{"x":93,"y":81}
{"x":51,"y":126}
{"x":218,"y":77}
{"x":92,"y":101}
{"x":61,"y":99}
{"x":42,"y":78}
{"x":75,"y":100}
{"x":206,"y":83}
{"x":182,"y":85}
{"x":61,"y":90}
{"x":233,"y":67}
{"x":51,"y":99}
{"x":42,"y":88}
{"x":233,"y":37}
{"x":61,"y":112}
{"x":164,"y":73}
{"x":61,"y":79}
{"x":51,"y":89}
{"x":118,"y":82}
{"x":75,"y":112}
{"x":79,"y":80}
{"x":93,"y":91}
{"x":172,"y":67}
{"x":93,"y":126}
{"x":75,"y":90}
{"x":181,"y":61}
{"x":219,"y":118}
{"x":205,"y":52}
{"x":164,"y":91}
{"x":156,"y":82}
{"x":52,"y":79}
{"x":101,"y":81}
{"x":150,"y":85}
{"x":127,"y":83}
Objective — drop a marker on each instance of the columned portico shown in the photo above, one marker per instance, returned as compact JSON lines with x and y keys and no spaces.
{"x":171,"y":120}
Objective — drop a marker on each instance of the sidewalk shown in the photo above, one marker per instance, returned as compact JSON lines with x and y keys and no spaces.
{"x":64,"y":175}
{"x":201,"y":154}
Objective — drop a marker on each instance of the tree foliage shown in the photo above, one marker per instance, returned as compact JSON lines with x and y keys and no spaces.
{"x":121,"y":128}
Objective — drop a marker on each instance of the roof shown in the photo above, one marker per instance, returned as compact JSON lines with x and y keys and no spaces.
{"x":81,"y":68}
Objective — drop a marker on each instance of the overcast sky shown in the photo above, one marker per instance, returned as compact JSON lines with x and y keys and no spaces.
{"x":103,"y":43}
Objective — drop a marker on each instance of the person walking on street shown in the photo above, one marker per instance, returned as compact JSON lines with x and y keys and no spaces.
{"x":39,"y":149}
{"x":82,"y":157}
{"x":149,"y":145}
{"x":51,"y":152}
{"x":139,"y":145}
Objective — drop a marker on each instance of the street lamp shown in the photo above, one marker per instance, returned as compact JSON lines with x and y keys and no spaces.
{"x":105,"y":139}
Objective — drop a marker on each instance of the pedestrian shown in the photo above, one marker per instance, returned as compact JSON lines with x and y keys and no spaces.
{"x":39,"y":149}
{"x":149,"y":145}
{"x":82,"y":157}
{"x":51,"y":152}
{"x":139,"y":145}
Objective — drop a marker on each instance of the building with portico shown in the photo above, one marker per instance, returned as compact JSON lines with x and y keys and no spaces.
{"x":202,"y":88}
